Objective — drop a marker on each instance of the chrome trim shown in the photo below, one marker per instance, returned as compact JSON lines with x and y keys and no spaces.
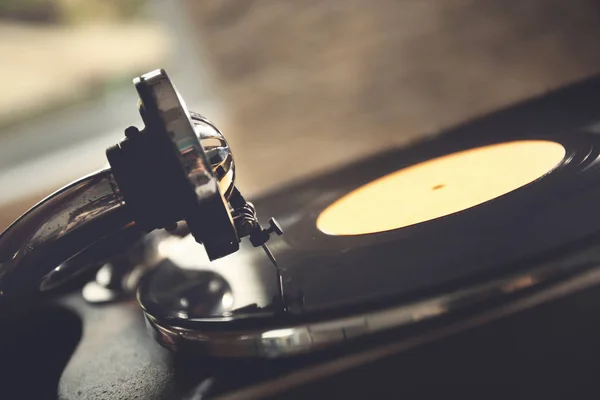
{"x":177,"y":120}
{"x":57,"y":228}
{"x":217,"y":151}
{"x":302,"y":338}
{"x":273,"y":387}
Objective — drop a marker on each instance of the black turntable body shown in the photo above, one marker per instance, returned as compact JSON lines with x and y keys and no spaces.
{"x":503,"y":293}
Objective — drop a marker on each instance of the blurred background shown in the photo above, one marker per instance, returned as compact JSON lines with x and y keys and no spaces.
{"x":298,"y":87}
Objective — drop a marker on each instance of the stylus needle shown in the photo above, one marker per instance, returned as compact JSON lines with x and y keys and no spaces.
{"x":270,"y":255}
{"x":279,"y":278}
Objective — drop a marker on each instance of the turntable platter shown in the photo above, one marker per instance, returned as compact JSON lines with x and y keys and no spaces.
{"x":487,"y":202}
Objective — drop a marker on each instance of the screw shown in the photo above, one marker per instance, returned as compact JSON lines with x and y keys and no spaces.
{"x":274,"y":227}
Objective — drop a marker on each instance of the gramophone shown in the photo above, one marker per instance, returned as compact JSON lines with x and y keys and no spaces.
{"x":178,"y":168}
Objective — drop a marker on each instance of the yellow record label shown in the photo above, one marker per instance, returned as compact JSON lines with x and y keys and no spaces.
{"x":439,"y":187}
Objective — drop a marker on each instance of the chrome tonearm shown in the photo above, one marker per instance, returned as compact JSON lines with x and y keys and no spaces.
{"x":179,"y":167}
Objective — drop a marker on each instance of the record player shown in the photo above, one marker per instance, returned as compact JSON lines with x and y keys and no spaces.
{"x":468,"y":247}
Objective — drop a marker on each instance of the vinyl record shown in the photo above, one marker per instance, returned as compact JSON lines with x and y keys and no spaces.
{"x":468,"y":206}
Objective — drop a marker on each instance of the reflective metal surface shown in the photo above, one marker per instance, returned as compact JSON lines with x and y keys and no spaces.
{"x":172,"y":292}
{"x":199,"y":198}
{"x":241,"y":333}
{"x":248,"y":276}
{"x":59,"y":227}
{"x":177,"y":121}
{"x":118,"y":275}
{"x":217,"y":152}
